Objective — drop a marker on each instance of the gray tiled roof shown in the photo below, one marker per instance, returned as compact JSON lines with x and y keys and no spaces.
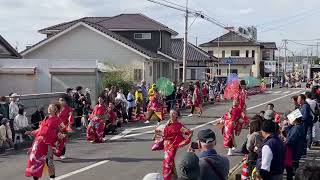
{"x":12,"y":51}
{"x":237,"y":60}
{"x":193,"y":52}
{"x":119,"y":22}
{"x":268,"y":45}
{"x":230,"y":39}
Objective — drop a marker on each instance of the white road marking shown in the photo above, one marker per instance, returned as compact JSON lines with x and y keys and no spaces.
{"x":81,"y":170}
{"x":286,"y":92}
{"x":121,"y":135}
{"x":276,"y":92}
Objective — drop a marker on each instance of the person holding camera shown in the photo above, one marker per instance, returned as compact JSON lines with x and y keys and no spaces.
{"x":212,"y":165}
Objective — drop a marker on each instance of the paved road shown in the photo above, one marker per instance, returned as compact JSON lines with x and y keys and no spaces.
{"x":128,"y":155}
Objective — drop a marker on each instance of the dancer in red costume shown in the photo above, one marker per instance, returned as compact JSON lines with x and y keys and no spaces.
{"x":154,"y":109}
{"x":241,"y":97}
{"x":66,"y":116}
{"x":175,"y":136}
{"x":50,"y":130}
{"x":231,"y":120}
{"x":95,"y":130}
{"x":197,"y":100}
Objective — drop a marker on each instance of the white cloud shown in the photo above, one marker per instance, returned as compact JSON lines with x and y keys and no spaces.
{"x":246,"y":11}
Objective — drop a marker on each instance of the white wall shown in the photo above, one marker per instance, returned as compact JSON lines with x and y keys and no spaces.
{"x":41,"y":81}
{"x":217,"y":52}
{"x":82,"y":43}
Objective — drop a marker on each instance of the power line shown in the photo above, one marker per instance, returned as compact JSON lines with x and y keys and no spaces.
{"x":312,"y":45}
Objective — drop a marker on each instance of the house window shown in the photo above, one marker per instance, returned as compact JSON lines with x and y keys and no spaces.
{"x":150,"y":70}
{"x":223,"y":53}
{"x":142,"y":35}
{"x":193,"y":74}
{"x":218,"y":71}
{"x":234,"y":71}
{"x":247,"y":53}
{"x":235,"y":53}
{"x":253,"y":53}
{"x":210,"y":53}
{"x":137,"y":74}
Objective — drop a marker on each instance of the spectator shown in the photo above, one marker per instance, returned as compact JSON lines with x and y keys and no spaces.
{"x":20,"y":123}
{"x":13,"y":107}
{"x":4,"y":107}
{"x":254,"y":142}
{"x":153,"y":176}
{"x":79,"y":99}
{"x":121,"y":105}
{"x":212,"y":165}
{"x":69,"y":98}
{"x":271,"y":155}
{"x":88,"y":102}
{"x":37,"y":116}
{"x":188,"y":167}
{"x":131,"y":104}
{"x":261,"y":114}
{"x":295,"y":134}
{"x":112,"y":94}
{"x":294,"y":99}
{"x":306,"y":119}
{"x":144,"y":94}
{"x":5,"y":135}
{"x":270,"y":113}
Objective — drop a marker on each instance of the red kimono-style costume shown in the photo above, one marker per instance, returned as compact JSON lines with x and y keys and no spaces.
{"x":67,"y":119}
{"x":241,"y":98}
{"x":197,"y":99}
{"x":156,"y":106}
{"x":174,"y":135}
{"x":95,"y":130}
{"x":44,"y":146}
{"x":231,"y":121}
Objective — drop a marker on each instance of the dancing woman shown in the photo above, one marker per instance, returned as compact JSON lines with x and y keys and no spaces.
{"x":66,"y":116}
{"x":175,"y":136}
{"x":95,"y":130}
{"x":231,"y":120}
{"x":197,"y":100}
{"x":50,"y":130}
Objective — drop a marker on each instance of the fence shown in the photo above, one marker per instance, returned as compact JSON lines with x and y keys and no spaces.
{"x":32,"y":101}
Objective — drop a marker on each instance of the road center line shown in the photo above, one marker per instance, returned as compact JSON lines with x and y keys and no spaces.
{"x":81,"y":170}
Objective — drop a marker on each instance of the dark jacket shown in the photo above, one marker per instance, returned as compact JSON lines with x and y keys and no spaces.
{"x":306,"y":114}
{"x":4,"y":110}
{"x":220,"y":163}
{"x":295,"y":137}
{"x":277,"y":148}
{"x":36,"y":117}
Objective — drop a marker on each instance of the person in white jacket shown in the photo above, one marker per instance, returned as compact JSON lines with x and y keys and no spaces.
{"x":20,"y":123}
{"x":5,"y":135}
{"x":13,"y":106}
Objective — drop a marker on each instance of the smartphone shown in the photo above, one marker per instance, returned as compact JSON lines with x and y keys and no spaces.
{"x":194,"y":145}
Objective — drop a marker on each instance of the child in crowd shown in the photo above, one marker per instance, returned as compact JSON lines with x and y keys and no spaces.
{"x":111,"y":125}
{"x":5,"y":135}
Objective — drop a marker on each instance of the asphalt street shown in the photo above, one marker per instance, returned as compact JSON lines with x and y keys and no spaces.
{"x":128,"y":155}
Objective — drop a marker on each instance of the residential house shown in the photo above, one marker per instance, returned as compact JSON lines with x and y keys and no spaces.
{"x":237,"y":54}
{"x":199,"y":62}
{"x":7,"y":51}
{"x":136,"y":43}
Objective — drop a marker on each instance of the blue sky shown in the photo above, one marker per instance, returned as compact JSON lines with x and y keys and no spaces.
{"x":275,"y":19}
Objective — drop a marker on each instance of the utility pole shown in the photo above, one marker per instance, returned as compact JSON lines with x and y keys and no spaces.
{"x":279,"y":63}
{"x":285,"y":57}
{"x":185,"y":41}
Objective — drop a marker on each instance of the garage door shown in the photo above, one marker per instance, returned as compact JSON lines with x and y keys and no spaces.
{"x":60,"y":82}
{"x":21,"y":84}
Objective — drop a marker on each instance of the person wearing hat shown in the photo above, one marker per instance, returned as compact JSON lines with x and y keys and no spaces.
{"x":187,"y":167}
{"x":13,"y":106}
{"x":271,"y":153}
{"x":5,"y":135}
{"x":212,"y":165}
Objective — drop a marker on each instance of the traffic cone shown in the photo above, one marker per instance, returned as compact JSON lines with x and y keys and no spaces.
{"x":141,"y":115}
